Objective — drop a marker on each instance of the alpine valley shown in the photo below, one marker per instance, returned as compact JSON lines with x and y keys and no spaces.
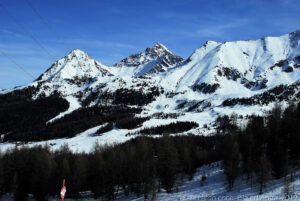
{"x":80,"y":101}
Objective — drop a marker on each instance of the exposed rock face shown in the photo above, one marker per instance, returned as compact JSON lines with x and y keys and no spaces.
{"x":154,"y":60}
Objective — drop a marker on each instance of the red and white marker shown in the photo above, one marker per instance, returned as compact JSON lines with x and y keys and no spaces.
{"x":63,"y":191}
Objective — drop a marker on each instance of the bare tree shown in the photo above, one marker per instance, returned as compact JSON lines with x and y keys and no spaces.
{"x":288,"y":189}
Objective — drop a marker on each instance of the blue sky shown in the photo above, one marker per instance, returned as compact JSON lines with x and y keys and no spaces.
{"x":109,"y":30}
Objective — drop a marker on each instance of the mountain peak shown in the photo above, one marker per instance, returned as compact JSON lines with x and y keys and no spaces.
{"x":296,"y":31}
{"x":151,"y":60}
{"x":158,"y":45}
{"x":295,"y":34}
{"x":78,"y":53}
{"x":77,"y":50}
{"x":159,"y":50}
{"x":76,"y":64}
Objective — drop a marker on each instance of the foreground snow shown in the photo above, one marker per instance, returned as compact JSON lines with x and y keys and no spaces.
{"x":214,"y":188}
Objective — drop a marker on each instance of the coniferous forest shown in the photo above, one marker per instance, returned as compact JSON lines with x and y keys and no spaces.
{"x":268,"y":148}
{"x":141,"y":166}
{"x":27,"y":120}
{"x":24,"y":119}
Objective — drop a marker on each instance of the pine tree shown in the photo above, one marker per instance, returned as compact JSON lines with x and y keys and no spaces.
{"x":167,"y":163}
{"x":78,"y":178}
{"x":264,"y":172}
{"x":231,"y":161}
{"x":203,"y":178}
{"x":96,"y":167}
{"x":42,"y":165}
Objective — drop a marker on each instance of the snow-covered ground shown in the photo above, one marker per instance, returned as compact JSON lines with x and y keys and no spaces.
{"x":73,"y":105}
{"x":214,"y":188}
{"x":85,"y":141}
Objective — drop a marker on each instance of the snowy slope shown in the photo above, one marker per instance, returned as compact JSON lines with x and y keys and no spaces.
{"x":219,"y":71}
{"x":241,"y":62}
{"x":214,"y":188}
{"x":244,"y":77}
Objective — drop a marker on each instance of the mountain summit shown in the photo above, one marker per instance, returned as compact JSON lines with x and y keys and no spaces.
{"x":77,"y":64}
{"x":151,"y":61}
{"x":159,"y":50}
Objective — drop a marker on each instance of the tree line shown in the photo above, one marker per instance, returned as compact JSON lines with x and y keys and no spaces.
{"x":27,"y":120}
{"x":21,"y":114}
{"x":174,"y":127}
{"x":268,"y":148}
{"x":142,"y":166}
{"x":130,"y":122}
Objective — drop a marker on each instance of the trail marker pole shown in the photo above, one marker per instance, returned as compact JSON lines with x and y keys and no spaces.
{"x":63,"y":191}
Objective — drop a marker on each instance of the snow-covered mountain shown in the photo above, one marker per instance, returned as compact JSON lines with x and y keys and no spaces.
{"x":232,"y":67}
{"x":244,"y":77}
{"x":151,"y":61}
{"x":71,"y":74}
{"x":77,"y":64}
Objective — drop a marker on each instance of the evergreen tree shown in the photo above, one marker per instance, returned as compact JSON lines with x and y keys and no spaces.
{"x":95,"y":176}
{"x":42,"y":164}
{"x":231,"y":161}
{"x":263,"y":172}
{"x":167,"y":163}
{"x":77,"y":181}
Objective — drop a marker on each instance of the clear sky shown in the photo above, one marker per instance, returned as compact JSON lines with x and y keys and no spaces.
{"x":109,"y":30}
